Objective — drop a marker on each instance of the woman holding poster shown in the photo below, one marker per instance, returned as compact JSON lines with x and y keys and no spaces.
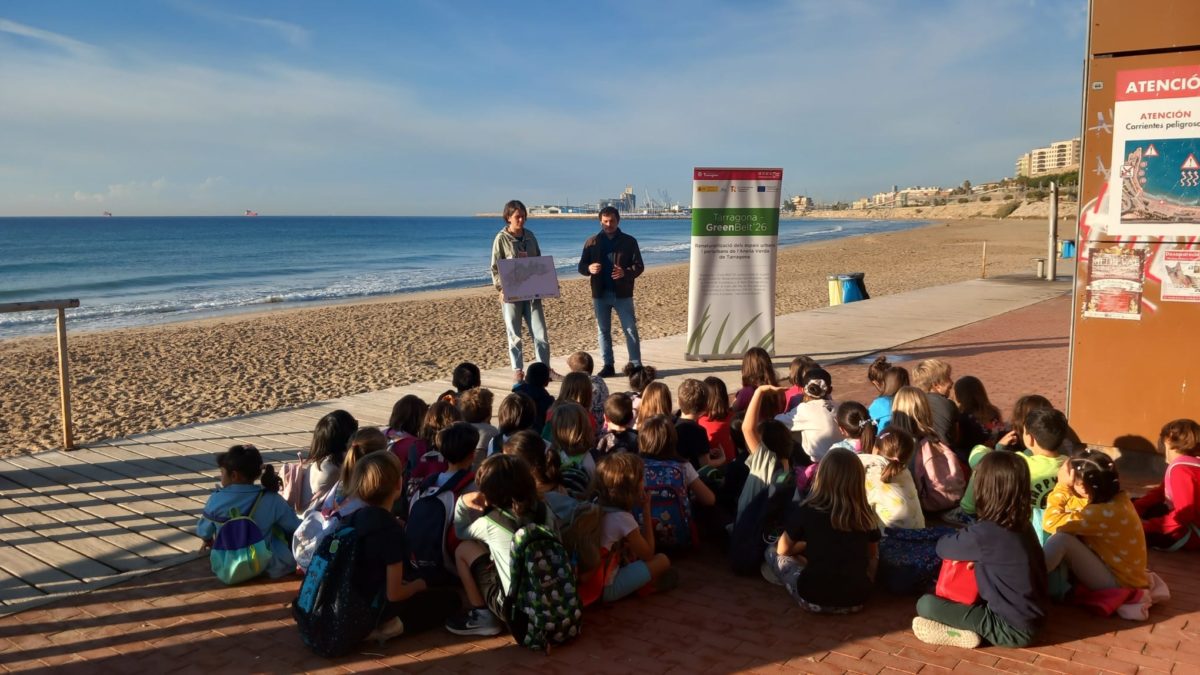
{"x":515,"y":241}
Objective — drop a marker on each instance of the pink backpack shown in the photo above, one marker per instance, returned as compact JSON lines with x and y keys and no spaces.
{"x":940,"y":476}
{"x":295,"y":474}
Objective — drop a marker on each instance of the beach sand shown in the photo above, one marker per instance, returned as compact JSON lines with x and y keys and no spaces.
{"x":137,"y":380}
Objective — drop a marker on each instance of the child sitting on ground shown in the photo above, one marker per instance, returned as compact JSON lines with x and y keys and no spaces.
{"x":484,"y":558}
{"x":656,"y":400}
{"x":404,"y":425}
{"x":537,"y":378}
{"x":757,"y":370}
{"x":717,"y":417}
{"x":618,"y":418}
{"x":813,"y":423}
{"x":891,"y":491}
{"x":1093,"y":525}
{"x":364,"y":441}
{"x":517,"y":413}
{"x":324,"y":462}
{"x":796,"y":372}
{"x":575,"y":388}
{"x":430,"y":460}
{"x":411,"y":606}
{"x":547,"y":471}
{"x":857,"y":428}
{"x":476,"y":407}
{"x":979,"y":422}
{"x":932,"y":376}
{"x":1009,"y":566}
{"x":669,"y":479}
{"x":241,"y":466}
{"x":693,"y":439}
{"x":619,"y":488}
{"x":640,"y":377}
{"x":829,"y":550}
{"x":581,"y":362}
{"x":1170,"y":516}
{"x":893,"y":380}
{"x":572,"y":438}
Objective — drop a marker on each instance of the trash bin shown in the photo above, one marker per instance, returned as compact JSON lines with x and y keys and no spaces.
{"x":1068,"y":248}
{"x":853,"y":287}
{"x":835,"y":289}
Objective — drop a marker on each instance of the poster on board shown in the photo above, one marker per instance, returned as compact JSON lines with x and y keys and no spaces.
{"x":1155,"y":176}
{"x":1114,"y":284}
{"x":531,"y":278}
{"x":731,"y":283}
{"x":1181,"y":275}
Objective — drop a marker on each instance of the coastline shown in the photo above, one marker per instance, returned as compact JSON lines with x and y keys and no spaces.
{"x":132,"y":380}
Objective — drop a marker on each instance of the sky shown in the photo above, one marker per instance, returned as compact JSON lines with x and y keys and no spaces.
{"x":190,"y":107}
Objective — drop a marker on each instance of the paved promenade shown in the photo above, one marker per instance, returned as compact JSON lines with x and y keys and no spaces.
{"x":77,"y":521}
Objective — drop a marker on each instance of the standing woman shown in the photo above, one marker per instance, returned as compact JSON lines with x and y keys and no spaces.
{"x":514,"y":241}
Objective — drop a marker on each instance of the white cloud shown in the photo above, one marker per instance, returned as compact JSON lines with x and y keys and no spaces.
{"x":293,"y":34}
{"x":122,"y":191}
{"x":62,"y":42}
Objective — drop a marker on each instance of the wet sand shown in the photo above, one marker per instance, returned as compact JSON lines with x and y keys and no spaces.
{"x":136,"y":380}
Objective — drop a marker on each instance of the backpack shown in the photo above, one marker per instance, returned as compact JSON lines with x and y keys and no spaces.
{"x":669,"y":506}
{"x":334,"y":616}
{"x":542,"y":608}
{"x":314,"y":526}
{"x":908,"y":559}
{"x":940,"y":476}
{"x":239,"y":549}
{"x":758,"y":523}
{"x":575,"y":479}
{"x":430,"y":530}
{"x":422,"y":464}
{"x":294,"y":476}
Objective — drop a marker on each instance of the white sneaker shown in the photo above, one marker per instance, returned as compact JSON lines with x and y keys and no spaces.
{"x":933,"y":633}
{"x":387,"y":631}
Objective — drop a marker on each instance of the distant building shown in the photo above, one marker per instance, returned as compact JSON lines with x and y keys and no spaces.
{"x":1058,"y":157}
{"x":911,"y":196}
{"x":626,"y":203}
{"x":802,"y":203}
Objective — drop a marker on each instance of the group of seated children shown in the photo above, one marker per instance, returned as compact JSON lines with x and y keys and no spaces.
{"x":824,"y":498}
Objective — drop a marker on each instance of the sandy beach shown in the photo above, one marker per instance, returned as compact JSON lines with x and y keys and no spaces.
{"x":136,"y":380}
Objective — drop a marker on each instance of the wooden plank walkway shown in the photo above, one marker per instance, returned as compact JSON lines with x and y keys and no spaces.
{"x":76,"y":521}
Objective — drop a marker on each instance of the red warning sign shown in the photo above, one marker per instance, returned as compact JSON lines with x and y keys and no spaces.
{"x":1151,"y":151}
{"x":1190,"y":164}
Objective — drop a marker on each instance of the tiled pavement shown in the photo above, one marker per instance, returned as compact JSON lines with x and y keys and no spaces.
{"x":182,"y":619}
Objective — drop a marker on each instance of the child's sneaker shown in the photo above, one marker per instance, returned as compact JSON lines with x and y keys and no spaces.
{"x":934,"y":633}
{"x":956,"y":516}
{"x":477,"y":621}
{"x":387,"y":631}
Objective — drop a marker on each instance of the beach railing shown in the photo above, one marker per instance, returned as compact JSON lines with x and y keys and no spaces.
{"x":64,"y":381}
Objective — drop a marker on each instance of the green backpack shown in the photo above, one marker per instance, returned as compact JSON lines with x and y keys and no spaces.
{"x":542,"y":608}
{"x":239,"y":549}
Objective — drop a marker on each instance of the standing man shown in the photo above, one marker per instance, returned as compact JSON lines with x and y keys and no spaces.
{"x":612,"y":259}
{"x":514,"y":241}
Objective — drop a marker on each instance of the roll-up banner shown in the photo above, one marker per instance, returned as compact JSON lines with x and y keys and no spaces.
{"x":731,"y":289}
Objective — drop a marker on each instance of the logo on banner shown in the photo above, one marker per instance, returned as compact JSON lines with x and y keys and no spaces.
{"x":707,"y":188}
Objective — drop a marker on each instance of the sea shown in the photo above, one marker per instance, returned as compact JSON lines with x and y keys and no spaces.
{"x":140,"y":271}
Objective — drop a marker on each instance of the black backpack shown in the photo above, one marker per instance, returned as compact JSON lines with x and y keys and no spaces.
{"x":332,"y":614}
{"x":430,"y":528}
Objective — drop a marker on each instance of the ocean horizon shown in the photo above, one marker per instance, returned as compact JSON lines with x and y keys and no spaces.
{"x":141,"y":271}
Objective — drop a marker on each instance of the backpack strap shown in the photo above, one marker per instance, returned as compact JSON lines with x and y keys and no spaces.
{"x":257,"y":500}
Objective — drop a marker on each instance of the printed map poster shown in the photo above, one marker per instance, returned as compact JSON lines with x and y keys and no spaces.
{"x":1181,"y":281}
{"x":731,"y":289}
{"x":1114,"y":284}
{"x":528,"y":278}
{"x":1156,"y":154}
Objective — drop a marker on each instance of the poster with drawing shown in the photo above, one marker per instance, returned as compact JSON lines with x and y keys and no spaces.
{"x":528,"y":278}
{"x":1156,"y":154}
{"x":1181,"y":275}
{"x":1114,"y":284}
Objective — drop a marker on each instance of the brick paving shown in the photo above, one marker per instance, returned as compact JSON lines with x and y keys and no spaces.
{"x":182,"y":619}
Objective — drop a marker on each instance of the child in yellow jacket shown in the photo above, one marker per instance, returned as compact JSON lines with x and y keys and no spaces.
{"x":1094,"y":526}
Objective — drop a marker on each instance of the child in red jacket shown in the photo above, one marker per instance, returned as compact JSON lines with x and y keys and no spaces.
{"x":1169,"y":512}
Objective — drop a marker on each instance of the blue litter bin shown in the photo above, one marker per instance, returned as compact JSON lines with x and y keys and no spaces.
{"x":1068,"y":248}
{"x":853,"y":287}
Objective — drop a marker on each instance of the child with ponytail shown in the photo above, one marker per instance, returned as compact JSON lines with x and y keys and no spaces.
{"x":891,"y":491}
{"x":241,"y":466}
{"x":857,"y":427}
{"x":814,"y":418}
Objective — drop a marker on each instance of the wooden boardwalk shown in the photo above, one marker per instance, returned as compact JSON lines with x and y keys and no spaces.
{"x":75,"y":521}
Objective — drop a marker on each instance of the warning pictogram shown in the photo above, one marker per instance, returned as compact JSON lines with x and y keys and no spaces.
{"x":1151,"y":151}
{"x":1190,"y":164}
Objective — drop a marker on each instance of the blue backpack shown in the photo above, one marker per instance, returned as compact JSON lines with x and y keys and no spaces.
{"x":239,"y":549}
{"x":669,"y":506}
{"x":332,"y":614}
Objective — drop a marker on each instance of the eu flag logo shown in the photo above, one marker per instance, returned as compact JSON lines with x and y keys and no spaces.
{"x":762,"y":188}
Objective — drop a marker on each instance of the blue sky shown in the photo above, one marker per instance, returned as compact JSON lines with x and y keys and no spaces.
{"x":181,"y":107}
